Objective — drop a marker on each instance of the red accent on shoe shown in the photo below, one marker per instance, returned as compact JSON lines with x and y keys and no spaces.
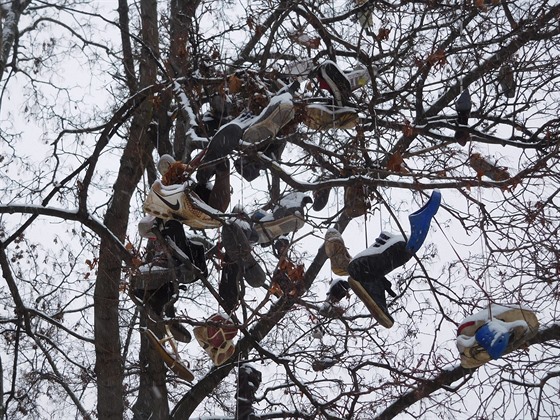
{"x":324,"y":85}
{"x":463,"y":326}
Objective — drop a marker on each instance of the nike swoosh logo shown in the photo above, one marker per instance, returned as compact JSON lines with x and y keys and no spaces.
{"x":172,"y":206}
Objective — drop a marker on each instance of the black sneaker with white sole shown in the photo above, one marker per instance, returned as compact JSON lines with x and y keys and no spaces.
{"x":331,"y":78}
{"x":387,"y":253}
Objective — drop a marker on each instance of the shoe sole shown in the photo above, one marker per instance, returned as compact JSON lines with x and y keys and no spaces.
{"x":155,"y":277}
{"x":270,"y":124}
{"x":321,"y":199}
{"x":180,"y":333}
{"x":268,"y":231}
{"x":355,"y":201}
{"x":225,"y":141}
{"x":254,"y":274}
{"x":319,"y":117}
{"x":176,"y":366}
{"x":370,"y":303}
{"x":338,"y":254}
{"x":358,"y":79}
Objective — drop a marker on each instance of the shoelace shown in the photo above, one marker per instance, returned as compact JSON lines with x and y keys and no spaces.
{"x":381,"y":240}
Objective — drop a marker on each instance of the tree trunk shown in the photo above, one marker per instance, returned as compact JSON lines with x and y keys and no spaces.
{"x":136,"y":156}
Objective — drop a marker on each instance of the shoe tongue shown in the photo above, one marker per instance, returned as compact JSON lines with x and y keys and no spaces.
{"x":387,"y":286}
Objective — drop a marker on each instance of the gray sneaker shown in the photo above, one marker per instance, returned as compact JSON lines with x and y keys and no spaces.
{"x":278,"y":113}
{"x":286,"y":217}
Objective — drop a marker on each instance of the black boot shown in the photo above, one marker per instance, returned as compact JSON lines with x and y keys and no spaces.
{"x":249,"y":381}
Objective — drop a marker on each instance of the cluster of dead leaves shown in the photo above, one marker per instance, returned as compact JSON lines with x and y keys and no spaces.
{"x":437,"y":58}
{"x":235,"y":84}
{"x":483,"y":167}
{"x":301,"y":38}
{"x":483,"y":4}
{"x":288,"y":279}
{"x":396,"y":163}
{"x":253,"y":25}
{"x":383,"y":34}
{"x":177,"y":173}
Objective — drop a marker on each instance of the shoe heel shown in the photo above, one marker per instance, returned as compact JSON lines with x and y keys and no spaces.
{"x":420,"y":222}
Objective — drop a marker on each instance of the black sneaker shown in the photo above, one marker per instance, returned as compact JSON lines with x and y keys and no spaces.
{"x":371,"y":292}
{"x":249,"y":381}
{"x":219,"y":195}
{"x":225,"y":141}
{"x":158,"y":300}
{"x":193,"y":250}
{"x":238,"y":248}
{"x":463,"y":107}
{"x":250,"y":167}
{"x":331,"y":78}
{"x":507,"y":81}
{"x":158,"y":272}
{"x":368,"y":270}
{"x":321,"y":198}
{"x":323,"y":364}
{"x":338,"y":290}
{"x":229,"y":289}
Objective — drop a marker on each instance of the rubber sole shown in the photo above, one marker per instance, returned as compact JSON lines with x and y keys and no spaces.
{"x":268,"y":231}
{"x":338,"y":255}
{"x":370,"y":303}
{"x":475,"y":356}
{"x":172,"y":361}
{"x":270,"y":124}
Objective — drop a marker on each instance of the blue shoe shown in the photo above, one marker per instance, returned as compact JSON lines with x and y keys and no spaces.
{"x":420,"y":222}
{"x":494,"y":341}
